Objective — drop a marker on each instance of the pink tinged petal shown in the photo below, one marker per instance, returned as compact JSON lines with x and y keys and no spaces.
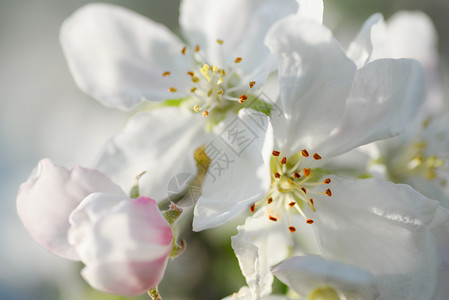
{"x":118,"y":56}
{"x":305,"y":274}
{"x":123,"y":242}
{"x":385,"y":97}
{"x":315,"y":80}
{"x":240,"y":174}
{"x":373,"y":32}
{"x":383,"y":228}
{"x":45,"y":201}
{"x":161,"y":142}
{"x":242,"y":25}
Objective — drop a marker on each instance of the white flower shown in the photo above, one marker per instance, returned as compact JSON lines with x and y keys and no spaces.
{"x":82,"y":215}
{"x":327,"y":108}
{"x":120,"y":58}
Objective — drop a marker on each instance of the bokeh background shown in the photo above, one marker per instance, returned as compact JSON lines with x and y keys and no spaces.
{"x":43,"y":114}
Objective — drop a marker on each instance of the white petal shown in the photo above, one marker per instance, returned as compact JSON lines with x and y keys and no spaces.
{"x":240,"y":152}
{"x":373,"y":31}
{"x":383,"y":228}
{"x":242,"y":26}
{"x":161,"y":142}
{"x":118,"y":57}
{"x":307,"y":273}
{"x":259,"y":245}
{"x":385,"y":96}
{"x":123,"y":242}
{"x":311,"y":9}
{"x":45,"y":201}
{"x":315,"y":79}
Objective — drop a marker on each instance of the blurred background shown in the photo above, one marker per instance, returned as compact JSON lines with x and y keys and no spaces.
{"x":43,"y":114}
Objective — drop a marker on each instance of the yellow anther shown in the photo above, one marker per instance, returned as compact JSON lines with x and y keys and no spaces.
{"x":196,"y":108}
{"x":220,"y":80}
{"x":220,"y":92}
{"x":183,"y":51}
{"x":214,"y":69}
{"x":205,"y":113}
{"x":209,"y":93}
{"x":166,"y":73}
{"x":205,"y":71}
{"x":220,"y":41}
{"x":190,"y":73}
{"x":195,"y":79}
{"x":237,"y":60}
{"x":192,"y":90}
{"x":197,"y":48}
{"x":173,"y":90}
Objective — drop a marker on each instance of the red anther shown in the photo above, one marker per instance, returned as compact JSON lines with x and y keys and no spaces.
{"x":191,"y":73}
{"x":276,"y":153}
{"x":284,"y":160}
{"x":197,"y":48}
{"x":309,"y":221}
{"x":307,"y":171}
{"x":311,"y":200}
{"x":277,"y":175}
{"x":270,"y":200}
{"x":316,"y":156}
{"x":304,"y":190}
{"x":272,"y":218}
{"x":327,"y":180}
{"x":237,"y":60}
{"x":292,"y":229}
{"x":183,"y":51}
{"x":251,"y":84}
{"x":305,"y":153}
{"x":328,"y":192}
{"x":291,"y":204}
{"x":243,"y":98}
{"x":252,"y":208}
{"x":296,"y":175}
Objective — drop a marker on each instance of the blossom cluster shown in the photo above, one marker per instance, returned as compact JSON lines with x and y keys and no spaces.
{"x":338,"y":157}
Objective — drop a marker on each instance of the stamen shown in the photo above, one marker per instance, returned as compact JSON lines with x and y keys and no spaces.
{"x":276,"y":153}
{"x":192,"y":90}
{"x":183,"y":51}
{"x":284,"y":160}
{"x":173,"y":90}
{"x":191,"y":74}
{"x":251,"y":84}
{"x":310,"y":204}
{"x":305,"y":153}
{"x":296,"y":175}
{"x":292,"y":229}
{"x":317,"y":156}
{"x":252,"y":208}
{"x":196,"y":108}
{"x":272,"y":218}
{"x":205,"y":71}
{"x":291,"y":204}
{"x":166,"y":73}
{"x":197,"y":48}
{"x":329,"y":192}
{"x":327,"y":180}
{"x":309,"y":221}
{"x":304,"y":190}
{"x":243,"y":98}
{"x":237,"y":60}
{"x":205,"y":113}
{"x":220,"y":41}
{"x":306,"y":172}
{"x":270,"y":200}
{"x":277,"y":175}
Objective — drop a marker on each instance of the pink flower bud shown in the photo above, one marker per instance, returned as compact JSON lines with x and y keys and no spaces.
{"x":124,"y":243}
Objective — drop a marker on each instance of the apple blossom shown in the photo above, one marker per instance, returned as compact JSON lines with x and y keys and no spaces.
{"x":82,"y":215}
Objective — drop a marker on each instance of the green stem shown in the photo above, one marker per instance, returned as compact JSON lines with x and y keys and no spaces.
{"x":154,"y":294}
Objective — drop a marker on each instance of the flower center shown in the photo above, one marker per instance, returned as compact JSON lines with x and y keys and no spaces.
{"x":212,"y":89}
{"x":293,"y":185}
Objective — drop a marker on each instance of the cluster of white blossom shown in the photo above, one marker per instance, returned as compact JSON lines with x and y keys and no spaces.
{"x":339,"y":157}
